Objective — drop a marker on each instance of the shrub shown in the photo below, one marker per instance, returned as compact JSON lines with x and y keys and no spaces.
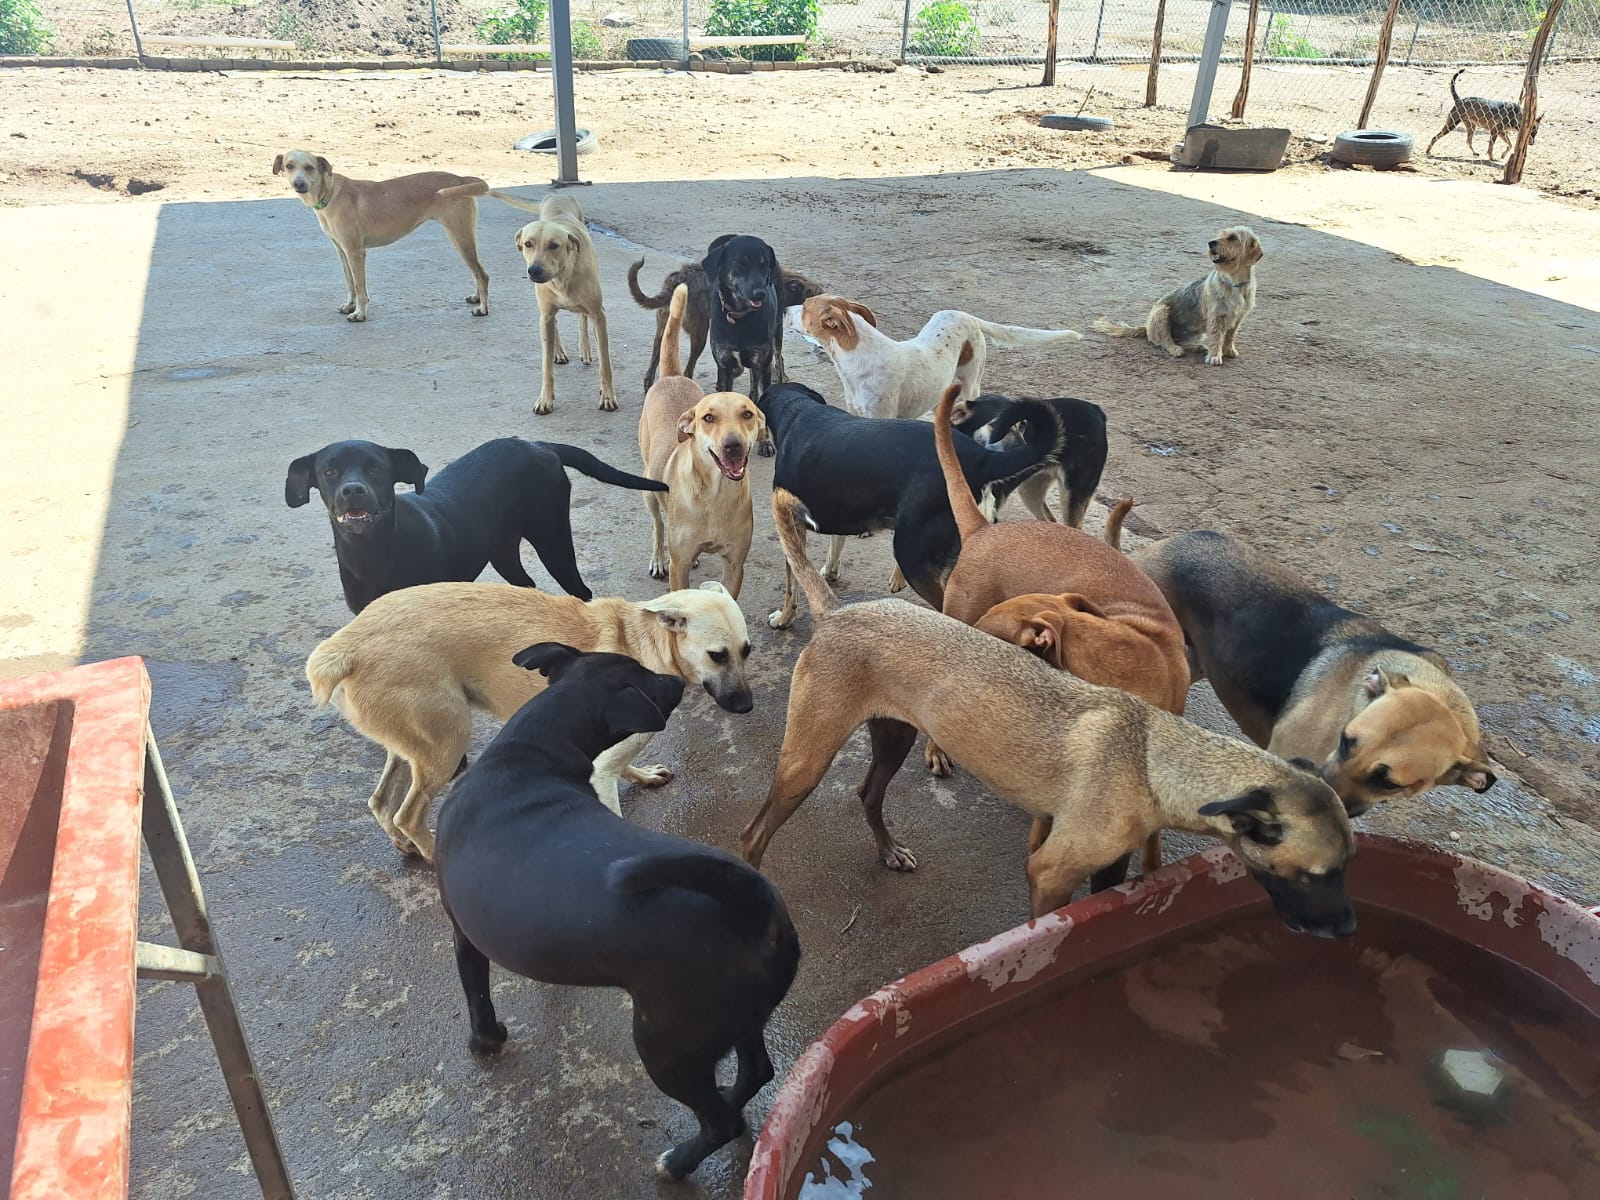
{"x":945,"y":29}
{"x":22,"y":28}
{"x":520,"y":23}
{"x":762,"y":18}
{"x":586,"y":44}
{"x":1284,"y":42}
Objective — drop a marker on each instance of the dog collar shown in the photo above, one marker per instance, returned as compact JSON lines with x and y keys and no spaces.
{"x":321,"y":204}
{"x":1226,"y":282}
{"x":727,"y":313}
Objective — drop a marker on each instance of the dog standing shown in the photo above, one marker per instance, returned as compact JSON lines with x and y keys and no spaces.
{"x":1304,"y":677}
{"x":746,"y":333}
{"x":699,"y":446}
{"x":886,"y":378}
{"x":1107,"y":769}
{"x":1502,"y":118}
{"x":999,"y":422}
{"x":1207,"y":314}
{"x":566,"y":276}
{"x":411,"y":668}
{"x":538,"y":877}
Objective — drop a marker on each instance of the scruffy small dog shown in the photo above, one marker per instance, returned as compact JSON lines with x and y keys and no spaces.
{"x":1207,"y":314}
{"x":1502,"y":118}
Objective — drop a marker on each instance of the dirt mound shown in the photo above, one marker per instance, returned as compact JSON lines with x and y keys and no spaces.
{"x":339,"y":28}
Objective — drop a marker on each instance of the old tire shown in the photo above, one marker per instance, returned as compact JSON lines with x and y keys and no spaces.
{"x":654,"y":49}
{"x":1372,"y":147}
{"x":1069,"y":121}
{"x":544,"y":142}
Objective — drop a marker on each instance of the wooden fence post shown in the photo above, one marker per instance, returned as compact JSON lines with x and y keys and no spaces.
{"x":1530,"y":96}
{"x":1050,"y":46}
{"x":1155,"y":55}
{"x":1249,"y":61}
{"x":1384,"y":35}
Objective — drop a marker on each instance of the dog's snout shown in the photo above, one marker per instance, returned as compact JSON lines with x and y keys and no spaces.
{"x":536,"y":273}
{"x":733,"y":445}
{"x":352,"y":489}
{"x":301,"y":186}
{"x":1212,"y":244}
{"x":735,"y":698}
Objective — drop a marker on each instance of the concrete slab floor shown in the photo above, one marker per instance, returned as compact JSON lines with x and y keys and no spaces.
{"x":170,"y":361}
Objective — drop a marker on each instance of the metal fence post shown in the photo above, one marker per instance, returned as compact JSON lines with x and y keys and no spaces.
{"x":566,"y":115}
{"x":1094,"y":54}
{"x":438,"y":46}
{"x":1415,"y":29}
{"x":133,"y":20}
{"x":1266,"y":34}
{"x":685,"y":35}
{"x":1210,"y":54}
{"x":905,"y":31}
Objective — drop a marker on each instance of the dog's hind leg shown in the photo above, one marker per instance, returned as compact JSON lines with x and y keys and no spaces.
{"x":891,"y":743}
{"x":755,"y":1072}
{"x":830,"y":568}
{"x":386,"y":797}
{"x":488,"y":1034}
{"x":1054,"y":873}
{"x":462,"y":230}
{"x":783,"y":616}
{"x":681,"y":1060}
{"x":552,"y":542}
{"x":1448,"y":126}
{"x":1111,"y":874}
{"x":1159,"y":330}
{"x":1033,"y":491}
{"x":508,"y":565}
{"x":658,"y":535}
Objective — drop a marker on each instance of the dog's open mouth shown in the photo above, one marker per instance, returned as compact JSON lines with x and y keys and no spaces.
{"x":354,"y":516}
{"x":733,"y":470}
{"x":1219,"y":259}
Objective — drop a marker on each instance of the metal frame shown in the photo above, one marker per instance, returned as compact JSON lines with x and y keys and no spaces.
{"x":1206,"y":77}
{"x":197,"y":959}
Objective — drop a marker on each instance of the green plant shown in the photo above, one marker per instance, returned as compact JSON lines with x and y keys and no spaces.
{"x":1284,"y":42}
{"x":290,"y":25}
{"x":945,"y":29}
{"x":765,"y":18}
{"x":102,"y":43}
{"x":520,"y":23}
{"x":22,"y":28}
{"x":586,"y":45}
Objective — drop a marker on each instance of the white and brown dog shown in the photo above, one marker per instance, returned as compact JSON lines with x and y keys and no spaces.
{"x":1206,"y":314}
{"x":566,"y":275}
{"x":699,"y":446}
{"x":886,"y":378}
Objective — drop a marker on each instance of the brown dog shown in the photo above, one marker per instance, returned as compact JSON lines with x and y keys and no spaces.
{"x":1206,"y":314}
{"x":1303,"y":676}
{"x":566,"y":275}
{"x":699,"y":446}
{"x":1106,"y":768}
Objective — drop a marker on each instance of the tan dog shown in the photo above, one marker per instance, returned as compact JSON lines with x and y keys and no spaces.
{"x":1106,"y":768}
{"x":360,"y":213}
{"x":411,"y":668}
{"x":699,"y":446}
{"x":566,"y":275}
{"x":1207,"y":314}
{"x":1303,"y":676}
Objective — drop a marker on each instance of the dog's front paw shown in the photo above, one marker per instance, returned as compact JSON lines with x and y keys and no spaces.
{"x":779,"y":619}
{"x":1230,"y":352}
{"x":938,"y":761}
{"x":897,"y":858}
{"x":348,"y":307}
{"x":357,"y":315}
{"x":483,"y":1045}
{"x":658,"y":570}
{"x":480,"y":306}
{"x":653,"y":777}
{"x":545,"y":406}
{"x":1213,"y":360}
{"x":608,"y":402}
{"x":560,"y":357}
{"x":766,"y":448}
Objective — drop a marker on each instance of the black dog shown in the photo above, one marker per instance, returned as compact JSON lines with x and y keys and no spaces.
{"x":539,"y":877}
{"x":477,"y":510}
{"x":999,"y":422}
{"x":746,"y":316}
{"x":860,"y":474}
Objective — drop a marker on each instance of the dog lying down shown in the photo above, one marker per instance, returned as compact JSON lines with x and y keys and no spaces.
{"x":538,"y":877}
{"x":411,"y":668}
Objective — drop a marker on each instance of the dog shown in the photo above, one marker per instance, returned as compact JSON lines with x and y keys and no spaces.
{"x":793,"y":288}
{"x":477,"y":511}
{"x":886,"y":378}
{"x":699,"y":446}
{"x":997,"y":422}
{"x":1207,"y":314}
{"x":566,"y":276}
{"x":1502,"y":118}
{"x":746,"y":333}
{"x":857,"y":475}
{"x":539,"y":878}
{"x":357,"y":214}
{"x":1108,"y":769}
{"x":411,"y":668}
{"x":1304,"y":677}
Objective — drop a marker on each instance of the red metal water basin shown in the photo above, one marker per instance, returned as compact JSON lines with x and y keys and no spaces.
{"x":1170,"y":1038}
{"x":71,"y":769}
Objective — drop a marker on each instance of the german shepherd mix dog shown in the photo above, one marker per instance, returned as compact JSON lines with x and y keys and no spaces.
{"x":537,"y":876}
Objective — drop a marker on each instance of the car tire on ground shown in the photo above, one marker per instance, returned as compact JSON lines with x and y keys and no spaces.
{"x":544,"y":142}
{"x":1372,"y":147}
{"x":1069,"y":121}
{"x":654,"y":49}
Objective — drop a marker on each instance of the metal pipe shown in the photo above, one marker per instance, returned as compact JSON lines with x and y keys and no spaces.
{"x":138,"y":42}
{"x":685,"y":35}
{"x":1413,"y":44}
{"x":1210,"y":53}
{"x":905,"y":31}
{"x":566,"y":114}
{"x":438,"y":44}
{"x":1094,"y":54}
{"x":1266,"y":34}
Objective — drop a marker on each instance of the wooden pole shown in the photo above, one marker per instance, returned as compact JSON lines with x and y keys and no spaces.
{"x":1155,"y":55}
{"x":1530,"y":96}
{"x":1050,"y":46}
{"x":1384,"y":36}
{"x":1249,"y":60}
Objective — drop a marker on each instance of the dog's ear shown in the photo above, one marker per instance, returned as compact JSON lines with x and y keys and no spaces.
{"x":277,"y":165}
{"x":674,"y":619}
{"x":1380,"y":681}
{"x":1255,"y":254}
{"x":574,"y":243}
{"x":711,"y":585}
{"x":631,"y":711}
{"x":686,"y":425}
{"x":297,"y":484}
{"x":1039,"y":635}
{"x":1073,"y":602}
{"x":712,"y":262}
{"x":550,"y":659}
{"x":1305,"y":764}
{"x":862,"y":311}
{"x":1252,"y":815}
{"x":406,"y":467}
{"x":324,"y":165}
{"x":1472,"y":773}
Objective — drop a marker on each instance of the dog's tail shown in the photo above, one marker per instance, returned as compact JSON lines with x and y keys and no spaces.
{"x":670,"y":362}
{"x":1455,"y":95}
{"x":660,"y":300}
{"x":969,"y":517}
{"x":748,"y":899}
{"x":327,"y":668}
{"x":1116,"y":329}
{"x":588,"y":464}
{"x":790,"y":517}
{"x":477,"y":187}
{"x":1021,"y":335}
{"x":1114,"y":520}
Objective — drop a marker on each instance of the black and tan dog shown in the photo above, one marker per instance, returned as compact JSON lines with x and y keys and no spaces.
{"x":793,"y":288}
{"x":537,"y":876}
{"x":1000,"y":423}
{"x":1304,"y":677}
{"x":476,"y":512}
{"x":1502,"y":118}
{"x":1105,"y":768}
{"x":746,"y":331}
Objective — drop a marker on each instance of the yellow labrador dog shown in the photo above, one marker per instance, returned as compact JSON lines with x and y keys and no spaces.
{"x":411,"y":668}
{"x":566,"y":275}
{"x":699,"y":446}
{"x":360,"y":213}
{"x":1206,"y":314}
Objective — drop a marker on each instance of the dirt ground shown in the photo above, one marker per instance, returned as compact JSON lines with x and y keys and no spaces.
{"x":1412,"y":425}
